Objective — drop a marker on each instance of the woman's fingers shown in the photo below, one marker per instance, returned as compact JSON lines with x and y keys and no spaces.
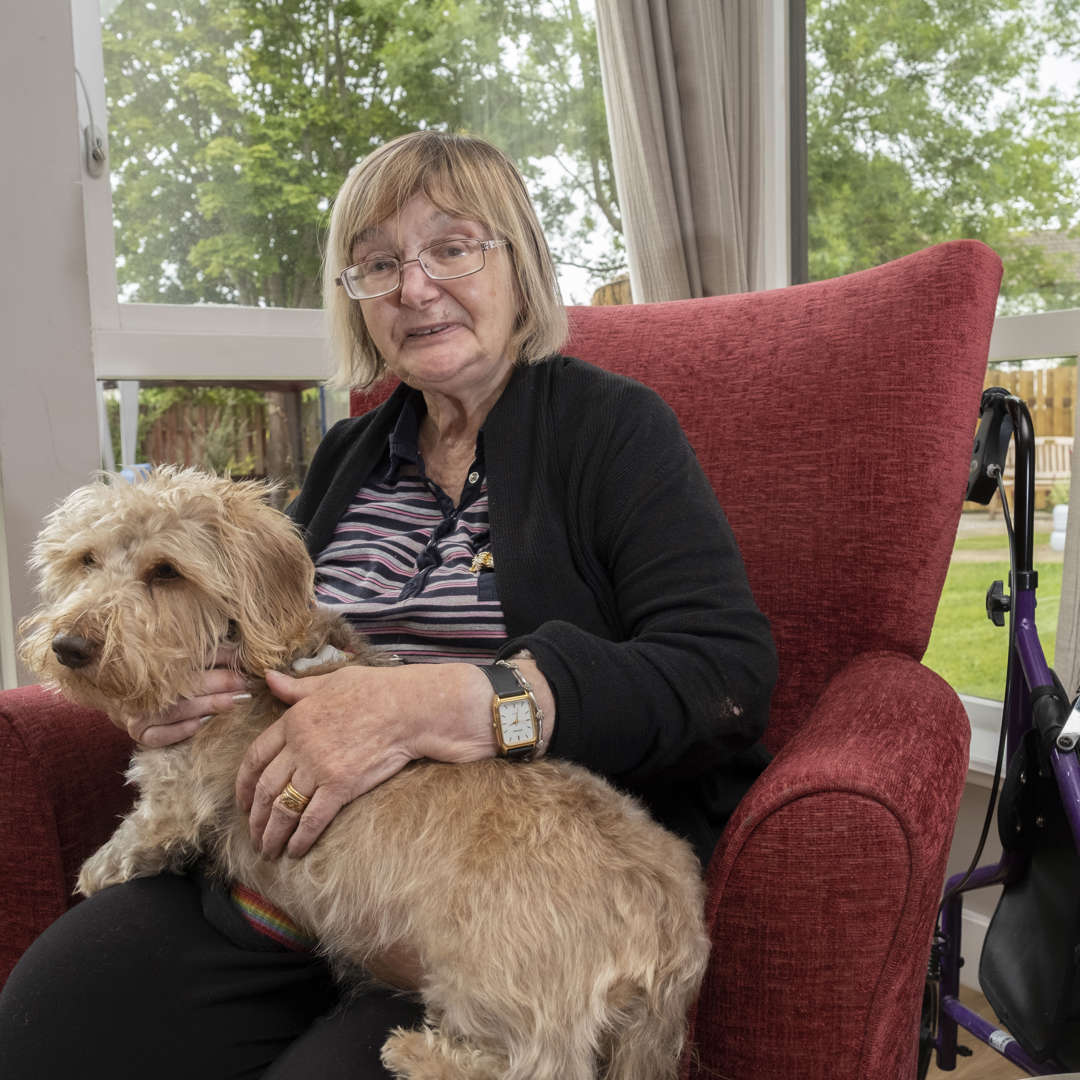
{"x":335,"y":741}
{"x":221,"y":691}
{"x":285,"y":825}
{"x":254,"y":789}
{"x":154,"y":735}
{"x":291,"y":690}
{"x":322,"y":809}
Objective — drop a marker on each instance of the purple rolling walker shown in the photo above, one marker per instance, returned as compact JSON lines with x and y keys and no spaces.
{"x":1004,"y":417}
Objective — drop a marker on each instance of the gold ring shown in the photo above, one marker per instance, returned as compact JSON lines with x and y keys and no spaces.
{"x":291,"y":799}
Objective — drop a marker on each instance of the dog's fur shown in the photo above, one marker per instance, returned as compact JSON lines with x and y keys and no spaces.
{"x":559,"y":929}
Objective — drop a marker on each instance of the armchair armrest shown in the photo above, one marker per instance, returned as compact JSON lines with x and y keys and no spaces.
{"x":823,"y":890}
{"x":63,"y":789}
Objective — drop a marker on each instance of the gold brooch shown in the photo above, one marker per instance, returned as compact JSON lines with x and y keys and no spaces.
{"x":483,"y":561}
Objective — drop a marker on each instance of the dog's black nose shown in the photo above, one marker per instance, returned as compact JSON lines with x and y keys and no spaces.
{"x":72,"y":650}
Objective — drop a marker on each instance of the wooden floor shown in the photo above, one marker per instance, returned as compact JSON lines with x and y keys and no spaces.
{"x":984,"y":1064}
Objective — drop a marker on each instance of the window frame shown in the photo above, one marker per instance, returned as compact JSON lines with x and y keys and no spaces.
{"x":198,"y":342}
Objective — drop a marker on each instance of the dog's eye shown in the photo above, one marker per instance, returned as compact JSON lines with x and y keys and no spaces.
{"x":163,"y":571}
{"x":89,"y":559}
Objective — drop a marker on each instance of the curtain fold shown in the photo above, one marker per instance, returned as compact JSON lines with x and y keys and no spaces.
{"x":681,"y":86}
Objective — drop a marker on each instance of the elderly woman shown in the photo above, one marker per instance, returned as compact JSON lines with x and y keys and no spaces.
{"x":524,"y":519}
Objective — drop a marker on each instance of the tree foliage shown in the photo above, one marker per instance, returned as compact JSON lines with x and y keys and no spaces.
{"x":233,"y":123}
{"x":927,"y":120}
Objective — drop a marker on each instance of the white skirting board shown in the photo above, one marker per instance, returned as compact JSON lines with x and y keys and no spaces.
{"x":974,"y":933}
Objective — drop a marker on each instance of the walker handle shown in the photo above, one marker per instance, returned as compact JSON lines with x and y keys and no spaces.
{"x":991,"y":445}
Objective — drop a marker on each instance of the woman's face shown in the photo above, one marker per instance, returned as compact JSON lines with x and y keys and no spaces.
{"x":447,"y":337}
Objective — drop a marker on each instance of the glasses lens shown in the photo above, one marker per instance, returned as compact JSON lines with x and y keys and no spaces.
{"x":452,"y":258}
{"x":382,"y":273}
{"x":372,"y":277}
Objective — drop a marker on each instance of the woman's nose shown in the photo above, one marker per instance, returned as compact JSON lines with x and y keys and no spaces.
{"x":416,"y":286}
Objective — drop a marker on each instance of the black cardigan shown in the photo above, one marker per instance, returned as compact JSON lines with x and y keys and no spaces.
{"x":617,"y":569}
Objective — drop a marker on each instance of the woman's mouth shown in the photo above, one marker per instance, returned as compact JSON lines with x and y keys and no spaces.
{"x":430,"y":331}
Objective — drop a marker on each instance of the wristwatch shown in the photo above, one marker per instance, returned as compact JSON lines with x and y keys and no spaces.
{"x":514,"y":713}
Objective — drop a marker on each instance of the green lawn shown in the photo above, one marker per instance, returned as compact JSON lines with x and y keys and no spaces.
{"x":968,"y":650}
{"x":993,"y":543}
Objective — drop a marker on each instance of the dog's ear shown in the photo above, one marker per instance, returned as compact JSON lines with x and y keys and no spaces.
{"x":272,"y":578}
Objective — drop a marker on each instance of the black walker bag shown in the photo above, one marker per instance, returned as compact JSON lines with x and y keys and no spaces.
{"x":1030,"y":964}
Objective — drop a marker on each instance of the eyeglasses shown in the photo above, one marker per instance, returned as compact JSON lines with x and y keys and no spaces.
{"x":444,"y":261}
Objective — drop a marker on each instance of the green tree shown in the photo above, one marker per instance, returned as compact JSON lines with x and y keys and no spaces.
{"x":927,"y":121}
{"x":233,"y":122}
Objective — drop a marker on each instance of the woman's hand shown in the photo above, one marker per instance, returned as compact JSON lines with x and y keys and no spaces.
{"x":221,"y":689}
{"x":346,"y":732}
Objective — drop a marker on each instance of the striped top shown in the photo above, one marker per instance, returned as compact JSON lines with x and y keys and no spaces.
{"x":409,"y":568}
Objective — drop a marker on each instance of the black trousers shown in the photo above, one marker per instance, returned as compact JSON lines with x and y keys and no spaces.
{"x":162,"y":977}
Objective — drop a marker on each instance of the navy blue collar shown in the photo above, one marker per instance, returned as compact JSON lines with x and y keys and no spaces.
{"x":404,"y":439}
{"x":404,"y":442}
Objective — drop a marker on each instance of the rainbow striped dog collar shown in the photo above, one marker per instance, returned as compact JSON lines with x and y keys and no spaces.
{"x":270,"y":920}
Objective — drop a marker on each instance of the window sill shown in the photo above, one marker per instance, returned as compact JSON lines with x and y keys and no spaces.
{"x":985,"y":718}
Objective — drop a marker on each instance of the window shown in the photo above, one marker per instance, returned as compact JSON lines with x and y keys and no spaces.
{"x":936,"y":124}
{"x":931,"y":124}
{"x":246,"y":431}
{"x":230,"y":127}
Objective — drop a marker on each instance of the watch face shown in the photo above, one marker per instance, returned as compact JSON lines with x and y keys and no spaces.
{"x":516,"y":721}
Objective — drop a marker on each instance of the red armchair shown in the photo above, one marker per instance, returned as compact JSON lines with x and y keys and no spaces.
{"x":835,"y":421}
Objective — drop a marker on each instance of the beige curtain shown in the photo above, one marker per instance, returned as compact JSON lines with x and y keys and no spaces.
{"x":680,"y":84}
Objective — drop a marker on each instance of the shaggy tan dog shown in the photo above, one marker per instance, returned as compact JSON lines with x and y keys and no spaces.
{"x":559,"y":928}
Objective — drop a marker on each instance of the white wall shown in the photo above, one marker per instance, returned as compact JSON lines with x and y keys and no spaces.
{"x":48,"y":424}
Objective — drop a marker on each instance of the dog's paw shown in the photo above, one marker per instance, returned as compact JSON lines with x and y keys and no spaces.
{"x":427,"y":1054}
{"x":115,"y":863}
{"x":102,"y":869}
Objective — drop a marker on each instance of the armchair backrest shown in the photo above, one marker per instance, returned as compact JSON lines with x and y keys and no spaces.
{"x":834,"y":421}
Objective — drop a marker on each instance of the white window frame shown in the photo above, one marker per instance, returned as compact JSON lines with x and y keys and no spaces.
{"x":198,"y":342}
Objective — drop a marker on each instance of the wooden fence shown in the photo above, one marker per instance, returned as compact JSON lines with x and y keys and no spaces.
{"x":1051,"y":399}
{"x":273,"y":437}
{"x":206,"y":436}
{"x":1050,"y":395}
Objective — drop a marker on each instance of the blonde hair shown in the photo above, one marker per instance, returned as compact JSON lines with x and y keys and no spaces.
{"x":463,"y":176}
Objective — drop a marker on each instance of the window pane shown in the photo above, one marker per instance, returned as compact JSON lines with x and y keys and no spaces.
{"x":931,"y":120}
{"x":966,"y":649}
{"x":233,"y":122}
{"x":249,"y":432}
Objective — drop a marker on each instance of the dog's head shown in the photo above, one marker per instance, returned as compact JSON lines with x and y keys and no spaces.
{"x":140,"y":584}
